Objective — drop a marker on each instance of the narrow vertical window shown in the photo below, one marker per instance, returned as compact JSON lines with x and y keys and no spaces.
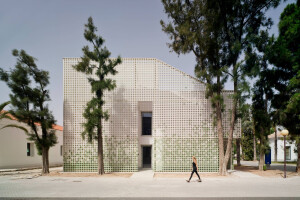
{"x":61,"y":150}
{"x":28,"y":149}
{"x":146,"y":123}
{"x":288,"y":153}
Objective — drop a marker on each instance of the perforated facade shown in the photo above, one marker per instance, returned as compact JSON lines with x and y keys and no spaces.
{"x":182,"y":121}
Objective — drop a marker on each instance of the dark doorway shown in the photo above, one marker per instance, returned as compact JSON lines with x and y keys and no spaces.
{"x":146,"y":157}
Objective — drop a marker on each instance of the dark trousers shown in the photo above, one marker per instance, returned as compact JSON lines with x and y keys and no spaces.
{"x":194,"y":170}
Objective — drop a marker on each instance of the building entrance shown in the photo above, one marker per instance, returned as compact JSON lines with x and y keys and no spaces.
{"x":147,"y":156}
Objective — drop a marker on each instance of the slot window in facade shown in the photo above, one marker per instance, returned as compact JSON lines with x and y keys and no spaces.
{"x":30,"y":149}
{"x":146,"y":123}
{"x":288,"y":153}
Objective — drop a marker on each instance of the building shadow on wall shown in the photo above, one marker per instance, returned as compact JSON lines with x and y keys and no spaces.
{"x":68,"y":121}
{"x":121,"y":143}
{"x":78,"y":155}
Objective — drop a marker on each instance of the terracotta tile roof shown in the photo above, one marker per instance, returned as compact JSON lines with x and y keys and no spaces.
{"x":55,"y":126}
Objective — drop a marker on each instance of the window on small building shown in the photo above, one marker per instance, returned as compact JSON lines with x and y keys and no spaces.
{"x":61,"y":150}
{"x":288,"y":153}
{"x":146,"y":123}
{"x":30,"y":149}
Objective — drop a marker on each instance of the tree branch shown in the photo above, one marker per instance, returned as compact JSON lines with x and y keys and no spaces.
{"x":258,"y":9}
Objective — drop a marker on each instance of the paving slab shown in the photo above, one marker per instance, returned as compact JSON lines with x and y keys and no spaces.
{"x":245,"y":174}
{"x":144,"y":174}
{"x":140,"y":187}
{"x":143,"y":184}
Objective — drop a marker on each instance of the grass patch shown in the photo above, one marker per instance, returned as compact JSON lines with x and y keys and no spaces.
{"x":287,"y":162}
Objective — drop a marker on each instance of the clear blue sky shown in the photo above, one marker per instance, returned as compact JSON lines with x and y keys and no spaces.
{"x":52,"y":30}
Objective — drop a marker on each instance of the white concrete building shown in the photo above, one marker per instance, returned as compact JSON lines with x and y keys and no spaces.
{"x":291,"y":155}
{"x":159,"y":118}
{"x":18,"y":152}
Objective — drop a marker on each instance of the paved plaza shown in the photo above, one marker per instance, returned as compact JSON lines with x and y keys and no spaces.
{"x":145,"y":184}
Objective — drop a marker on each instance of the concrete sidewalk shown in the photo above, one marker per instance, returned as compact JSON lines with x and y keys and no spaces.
{"x":245,"y":174}
{"x":27,"y":174}
{"x":143,"y":184}
{"x":144,"y":174}
{"x":138,"y":186}
{"x":27,"y":168}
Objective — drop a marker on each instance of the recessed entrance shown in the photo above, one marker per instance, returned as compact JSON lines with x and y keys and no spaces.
{"x":146,"y":156}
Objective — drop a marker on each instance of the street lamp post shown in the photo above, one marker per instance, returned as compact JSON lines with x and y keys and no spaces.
{"x":284,"y":133}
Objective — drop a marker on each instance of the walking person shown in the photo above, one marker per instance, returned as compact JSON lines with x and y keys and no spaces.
{"x":195,"y":169}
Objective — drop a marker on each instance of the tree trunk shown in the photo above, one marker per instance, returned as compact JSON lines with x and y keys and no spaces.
{"x":230,"y":134}
{"x":238,"y":152}
{"x":228,"y":148}
{"x":221,"y":138}
{"x":254,"y":143}
{"x":261,"y":161}
{"x":100,"y":150}
{"x":220,"y":127}
{"x":298,"y":161}
{"x":45,"y":159}
{"x":261,"y":155}
{"x":254,"y":148}
{"x":275,"y":158}
{"x":262,"y":139}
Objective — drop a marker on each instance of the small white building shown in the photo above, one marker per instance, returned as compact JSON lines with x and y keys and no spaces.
{"x":18,"y":152}
{"x":291,"y":155}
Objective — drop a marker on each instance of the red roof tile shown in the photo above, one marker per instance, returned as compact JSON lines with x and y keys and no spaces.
{"x":55,"y":126}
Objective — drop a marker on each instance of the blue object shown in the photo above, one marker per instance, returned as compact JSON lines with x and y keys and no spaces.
{"x":268,"y":157}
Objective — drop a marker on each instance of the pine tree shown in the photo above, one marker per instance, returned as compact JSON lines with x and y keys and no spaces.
{"x":283,"y":77}
{"x":96,"y":62}
{"x":262,"y":119}
{"x":28,"y":100}
{"x":257,"y":56}
{"x":217,"y":33}
{"x":285,"y":57}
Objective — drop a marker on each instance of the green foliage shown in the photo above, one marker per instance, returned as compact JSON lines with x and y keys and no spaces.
{"x":286,"y":58}
{"x":3,"y":105}
{"x":16,"y":126}
{"x":257,"y":65}
{"x":247,"y":145}
{"x":96,"y":61}
{"x":3,"y":115}
{"x":247,"y":133}
{"x":217,"y":32}
{"x":28,"y":99}
{"x":257,"y":58}
{"x":265,"y":167}
{"x":195,"y":27}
